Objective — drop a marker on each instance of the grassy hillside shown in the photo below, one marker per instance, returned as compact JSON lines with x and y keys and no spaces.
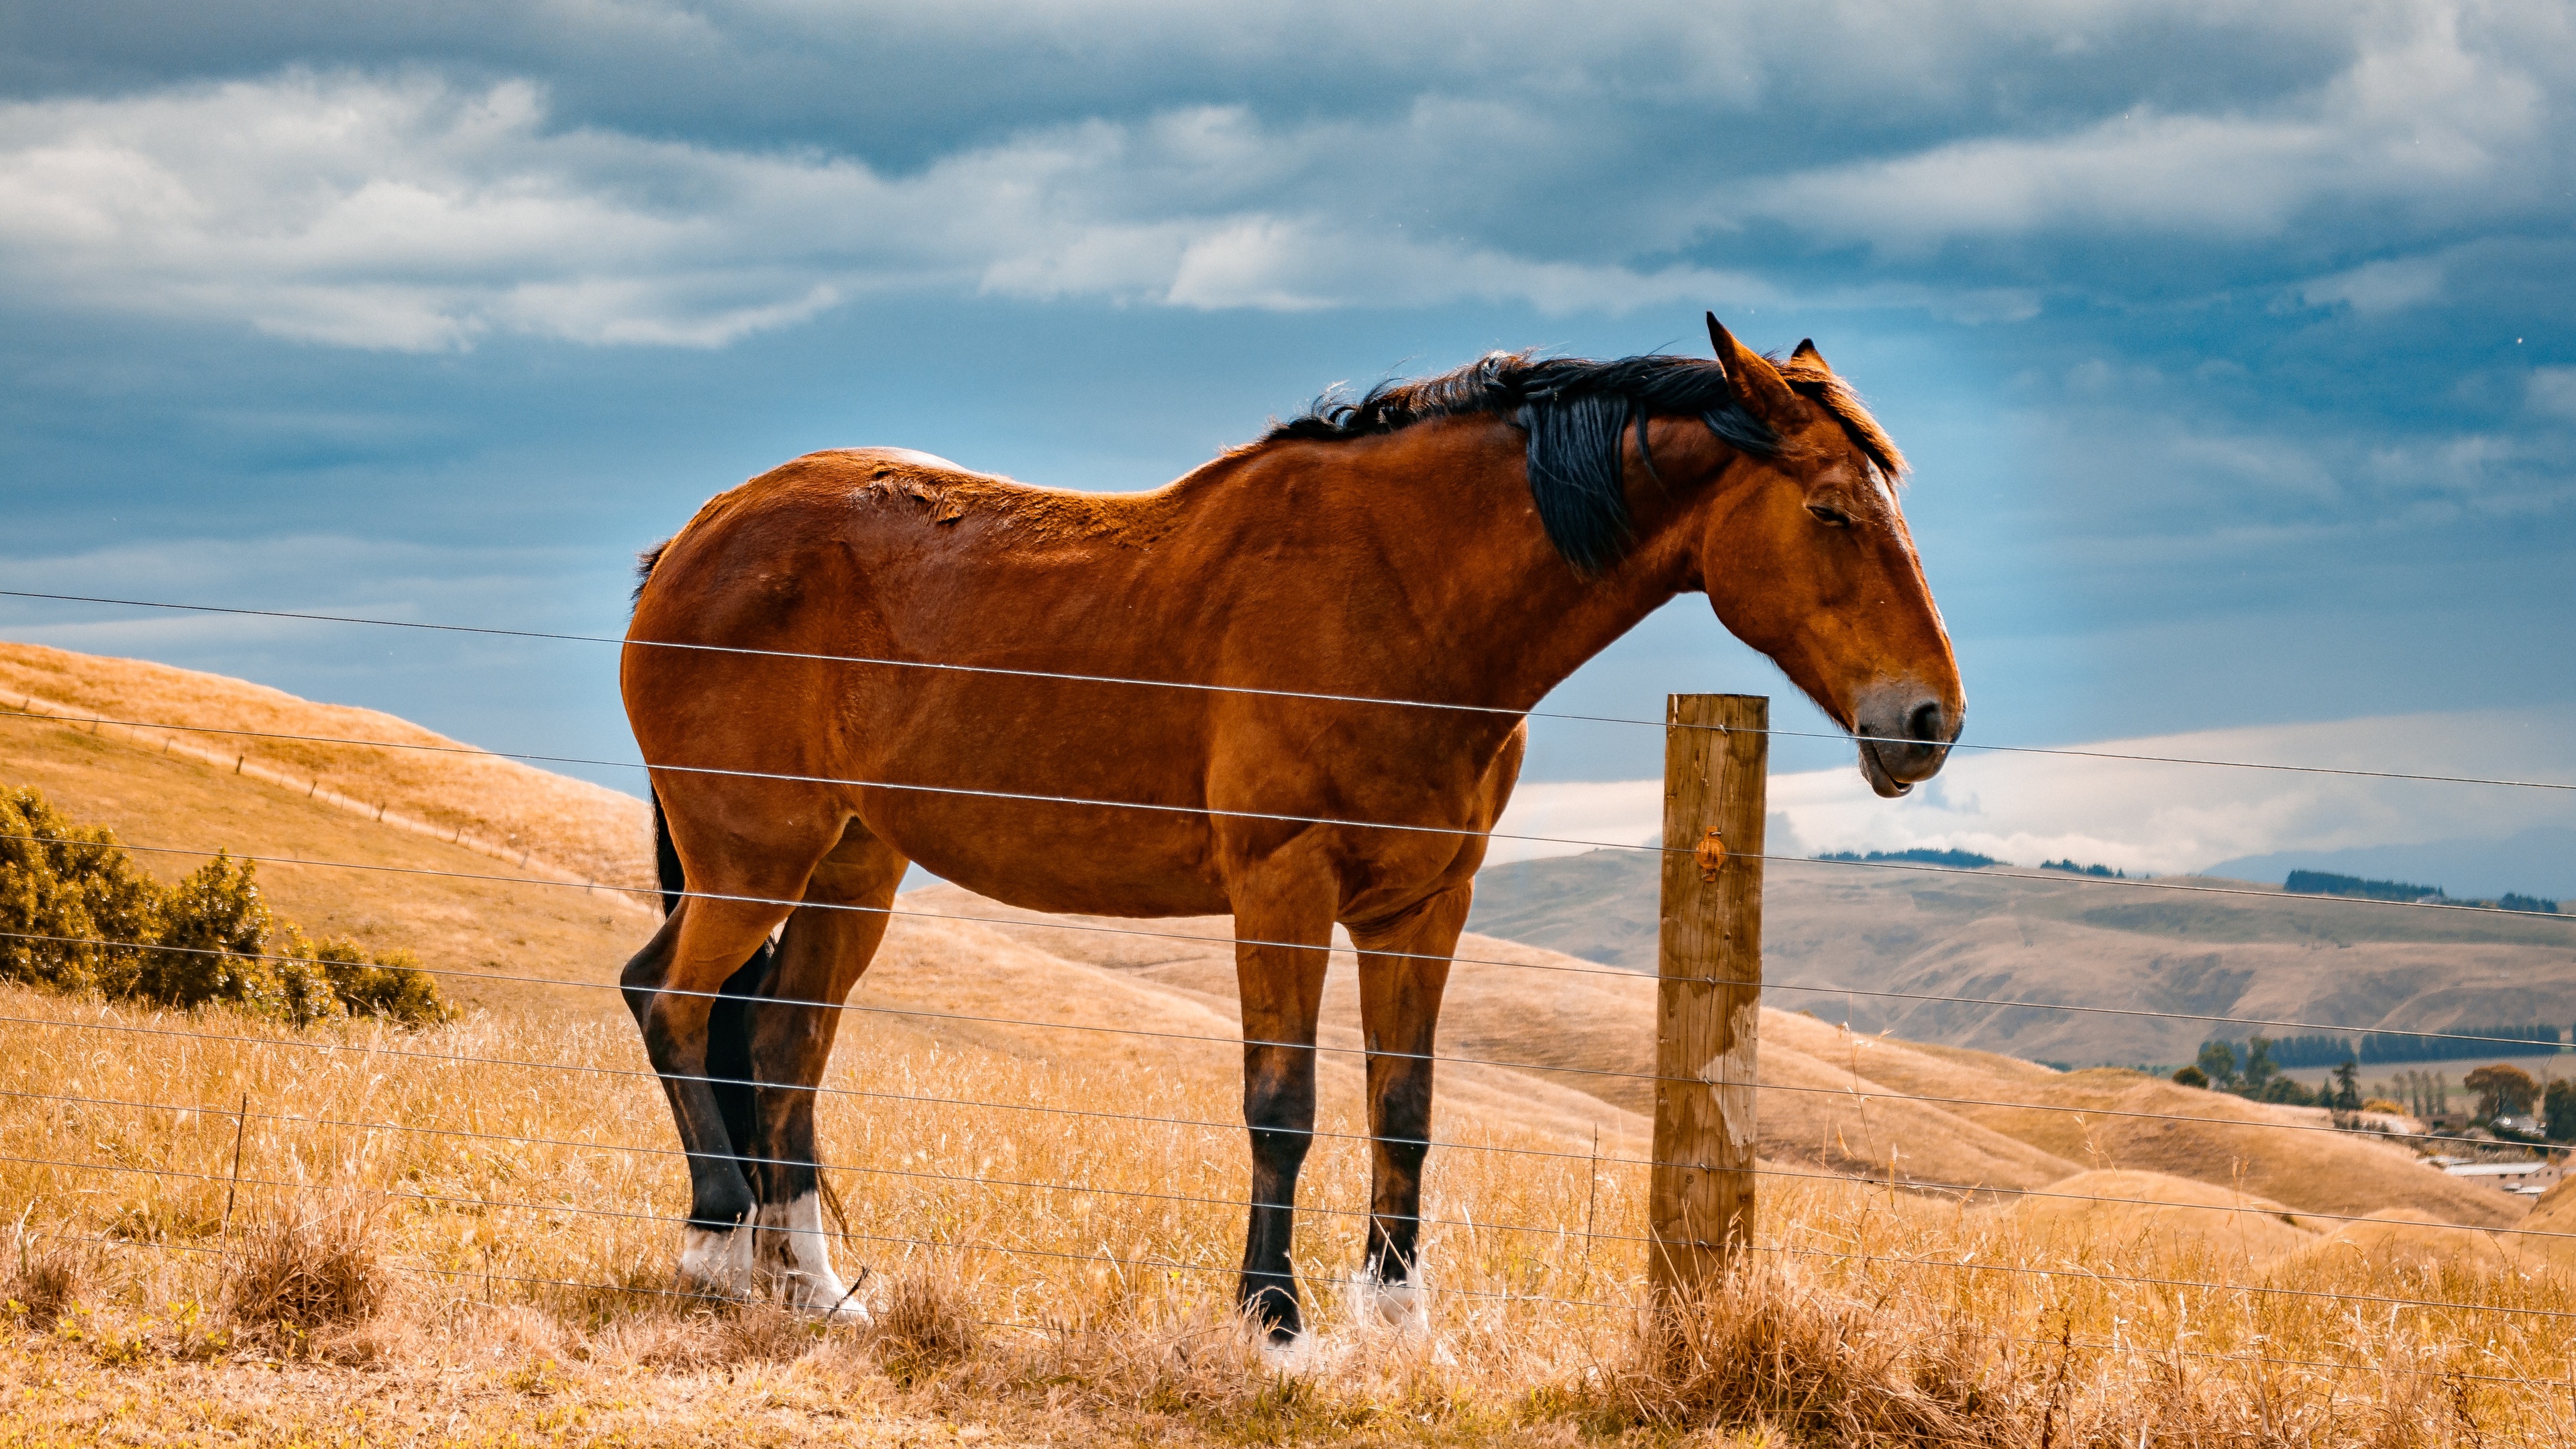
{"x":417,"y":892}
{"x":543,"y":823}
{"x":1986,"y":935}
{"x":1051,"y":1217}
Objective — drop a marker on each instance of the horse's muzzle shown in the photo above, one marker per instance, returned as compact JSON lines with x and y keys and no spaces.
{"x":1904,"y":738}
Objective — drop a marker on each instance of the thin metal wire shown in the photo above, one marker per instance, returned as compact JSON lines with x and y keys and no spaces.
{"x":1167,"y":1264}
{"x":1860,"y":1097}
{"x":1532,"y":1067}
{"x":2090,"y":1345}
{"x":1258,"y":691}
{"x":1638,"y":976}
{"x":1020,"y":797}
{"x":1984,"y":872}
{"x":1024,"y":797}
{"x":1916,"y":1184}
{"x":454,"y":1059}
{"x":527,"y":1140}
{"x":2142,"y":1280}
{"x":2385,"y":1300}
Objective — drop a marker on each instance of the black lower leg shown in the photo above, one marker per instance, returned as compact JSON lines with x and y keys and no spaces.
{"x":1279,"y":1106}
{"x":1400,"y":1120}
{"x":731,"y":1065}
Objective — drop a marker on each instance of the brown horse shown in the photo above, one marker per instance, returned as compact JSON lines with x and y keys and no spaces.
{"x":1468,"y":539}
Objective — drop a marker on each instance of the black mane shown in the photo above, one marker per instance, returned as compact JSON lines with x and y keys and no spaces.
{"x":1577,"y":413}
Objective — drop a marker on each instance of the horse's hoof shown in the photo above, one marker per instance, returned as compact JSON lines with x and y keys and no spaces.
{"x":827,"y":1301}
{"x":1295,"y":1354}
{"x":1380,"y":1306}
{"x":718,"y":1264}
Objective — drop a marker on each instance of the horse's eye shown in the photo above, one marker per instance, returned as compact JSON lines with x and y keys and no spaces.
{"x":1830,"y":517}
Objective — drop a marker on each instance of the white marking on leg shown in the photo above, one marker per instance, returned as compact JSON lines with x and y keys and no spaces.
{"x":1377,"y":1304}
{"x":1296,"y":1356}
{"x":717,"y":1261}
{"x":796,"y":1257}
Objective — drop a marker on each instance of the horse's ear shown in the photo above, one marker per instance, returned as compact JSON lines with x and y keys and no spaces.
{"x":1756,"y":380}
{"x":1807,"y":355}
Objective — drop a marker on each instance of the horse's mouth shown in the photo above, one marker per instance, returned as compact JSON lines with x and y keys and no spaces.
{"x":1874,"y":770}
{"x":1893,"y":768}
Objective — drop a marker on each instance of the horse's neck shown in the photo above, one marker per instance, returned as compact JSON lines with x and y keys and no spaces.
{"x":1450,"y":518}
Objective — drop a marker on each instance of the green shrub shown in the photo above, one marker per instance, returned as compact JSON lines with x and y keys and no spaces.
{"x":63,"y":891}
{"x":392,"y":985}
{"x":78,"y":916}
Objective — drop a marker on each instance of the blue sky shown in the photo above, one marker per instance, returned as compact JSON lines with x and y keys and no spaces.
{"x":2232,"y":343}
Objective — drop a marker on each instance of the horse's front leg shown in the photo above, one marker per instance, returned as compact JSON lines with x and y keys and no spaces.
{"x":1282,"y":987}
{"x":1404,"y":966}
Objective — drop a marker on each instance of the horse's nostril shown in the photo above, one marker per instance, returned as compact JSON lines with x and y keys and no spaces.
{"x":1924,"y":723}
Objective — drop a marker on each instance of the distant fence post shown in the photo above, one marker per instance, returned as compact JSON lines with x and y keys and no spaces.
{"x":1708,"y":1004}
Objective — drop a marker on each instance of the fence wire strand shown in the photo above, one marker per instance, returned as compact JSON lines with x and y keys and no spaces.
{"x":1258,"y":691}
{"x":1860,"y":1096}
{"x":1911,"y":1185}
{"x":1213,"y":812}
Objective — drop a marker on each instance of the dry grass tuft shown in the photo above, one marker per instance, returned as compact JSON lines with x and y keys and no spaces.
{"x":45,"y":1278}
{"x":1770,"y":1347}
{"x":314,"y":1270}
{"x":925,"y":1324}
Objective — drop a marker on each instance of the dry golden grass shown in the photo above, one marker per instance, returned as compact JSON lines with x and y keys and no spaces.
{"x":475,"y":1246}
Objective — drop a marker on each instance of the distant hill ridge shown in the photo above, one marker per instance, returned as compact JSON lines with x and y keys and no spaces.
{"x":2084,"y":940}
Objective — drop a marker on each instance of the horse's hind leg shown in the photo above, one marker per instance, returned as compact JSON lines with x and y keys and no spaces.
{"x":1404,"y":967}
{"x":672,"y":986}
{"x":827,"y":946}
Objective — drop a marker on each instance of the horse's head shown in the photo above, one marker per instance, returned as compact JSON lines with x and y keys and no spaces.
{"x":1807,"y":558}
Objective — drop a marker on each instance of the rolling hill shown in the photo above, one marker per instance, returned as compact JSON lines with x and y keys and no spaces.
{"x":2073,"y":941}
{"x":1553,"y":1046}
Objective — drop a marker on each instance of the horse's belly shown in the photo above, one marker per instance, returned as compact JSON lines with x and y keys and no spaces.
{"x":1064,"y":859}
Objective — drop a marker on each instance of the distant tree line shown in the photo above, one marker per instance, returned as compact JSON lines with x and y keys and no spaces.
{"x":2328,"y":1049}
{"x":2251,"y":1071}
{"x":2511,"y":1104}
{"x":1965,"y":859}
{"x":2070,"y":867}
{"x":2327,"y":883}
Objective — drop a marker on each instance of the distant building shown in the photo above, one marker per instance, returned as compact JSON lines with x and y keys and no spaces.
{"x":2526,"y":1179}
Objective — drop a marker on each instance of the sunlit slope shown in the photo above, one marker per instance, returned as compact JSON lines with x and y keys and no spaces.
{"x":414,"y":892}
{"x":1838,"y":1102}
{"x":2157,"y":1211}
{"x":544,"y":822}
{"x":1996,"y":937}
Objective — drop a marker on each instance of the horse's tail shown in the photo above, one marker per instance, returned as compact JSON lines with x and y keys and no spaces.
{"x":666,"y":859}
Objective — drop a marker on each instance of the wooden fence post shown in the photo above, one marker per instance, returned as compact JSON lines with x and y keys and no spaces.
{"x":1708,"y":1005}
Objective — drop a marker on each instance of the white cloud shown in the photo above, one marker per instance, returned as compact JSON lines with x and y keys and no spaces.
{"x":2553,"y":390}
{"x":2417,"y":117}
{"x":413,"y":215}
{"x":2136,"y":815}
{"x":2376,"y":287}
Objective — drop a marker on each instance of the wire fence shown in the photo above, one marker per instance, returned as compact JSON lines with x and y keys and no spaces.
{"x":1859,"y":1096}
